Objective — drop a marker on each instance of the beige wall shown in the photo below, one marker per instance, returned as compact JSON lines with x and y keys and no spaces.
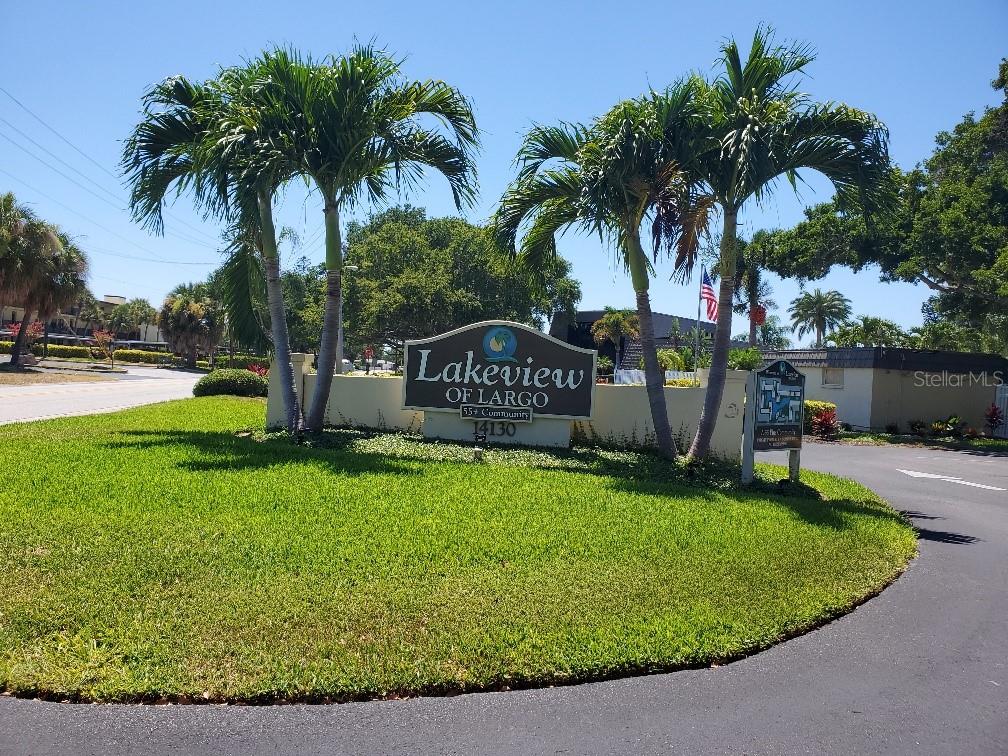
{"x":622,"y":416}
{"x":853,"y":399}
{"x":899,"y":396}
{"x":621,"y":413}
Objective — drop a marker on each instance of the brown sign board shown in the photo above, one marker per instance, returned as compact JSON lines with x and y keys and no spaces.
{"x":778,"y":406}
{"x":499,"y":364}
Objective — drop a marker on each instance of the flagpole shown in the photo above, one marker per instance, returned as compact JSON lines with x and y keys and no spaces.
{"x":696,"y":331}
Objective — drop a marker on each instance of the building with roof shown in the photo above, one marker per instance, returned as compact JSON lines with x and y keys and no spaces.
{"x":876,"y":387}
{"x":670,"y":331}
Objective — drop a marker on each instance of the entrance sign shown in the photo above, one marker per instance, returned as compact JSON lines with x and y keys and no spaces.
{"x":497,"y":365}
{"x":775,"y":398}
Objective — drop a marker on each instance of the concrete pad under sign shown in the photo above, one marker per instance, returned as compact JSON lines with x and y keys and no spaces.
{"x":542,"y":431}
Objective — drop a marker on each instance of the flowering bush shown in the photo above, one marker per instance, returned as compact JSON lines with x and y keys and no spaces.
{"x":32,"y":334}
{"x":104,"y":345}
{"x":993,"y":418}
{"x":825,"y":423}
{"x":260,"y":370}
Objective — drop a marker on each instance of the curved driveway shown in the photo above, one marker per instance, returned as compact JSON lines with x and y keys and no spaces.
{"x":920,"y":669}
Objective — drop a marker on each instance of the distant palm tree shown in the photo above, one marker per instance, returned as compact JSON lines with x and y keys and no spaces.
{"x":870,"y":331}
{"x":191,"y":321}
{"x":354,"y":128}
{"x":757,"y":129}
{"x":752,"y":292}
{"x":614,"y":326}
{"x":819,"y":312}
{"x":610,"y":179}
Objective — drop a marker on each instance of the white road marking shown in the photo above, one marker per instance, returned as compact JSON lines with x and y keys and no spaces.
{"x":948,"y":479}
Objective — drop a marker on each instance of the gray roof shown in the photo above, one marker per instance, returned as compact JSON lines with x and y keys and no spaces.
{"x":892,"y":358}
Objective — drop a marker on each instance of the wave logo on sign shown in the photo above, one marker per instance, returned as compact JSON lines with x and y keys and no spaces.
{"x":499,"y":344}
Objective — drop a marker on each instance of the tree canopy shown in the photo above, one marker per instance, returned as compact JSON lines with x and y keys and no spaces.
{"x":418,"y":276}
{"x":949,"y":230}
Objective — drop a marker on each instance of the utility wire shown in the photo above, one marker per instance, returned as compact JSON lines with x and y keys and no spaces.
{"x":86,"y":156}
{"x":99,"y":225}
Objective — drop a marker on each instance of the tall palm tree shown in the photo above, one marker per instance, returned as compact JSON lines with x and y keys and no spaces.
{"x":354,"y":127}
{"x":216,"y":140}
{"x":819,"y":312}
{"x":614,"y":326}
{"x":760,"y":128}
{"x":752,"y":292}
{"x":610,"y":178}
{"x":54,"y":276}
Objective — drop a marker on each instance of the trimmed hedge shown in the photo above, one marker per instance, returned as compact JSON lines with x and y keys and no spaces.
{"x":242,"y":361}
{"x":813,"y":409}
{"x":232,"y":382}
{"x":145,"y":356}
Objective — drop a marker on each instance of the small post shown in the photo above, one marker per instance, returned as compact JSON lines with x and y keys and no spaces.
{"x":748,"y":430}
{"x":794,"y":464}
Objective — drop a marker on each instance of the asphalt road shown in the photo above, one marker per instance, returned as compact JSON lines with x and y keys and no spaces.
{"x":138,"y":386}
{"x":920,"y":669}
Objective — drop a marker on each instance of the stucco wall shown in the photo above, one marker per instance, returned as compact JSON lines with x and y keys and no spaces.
{"x":621,"y":413}
{"x":900,"y":396}
{"x":853,"y":399}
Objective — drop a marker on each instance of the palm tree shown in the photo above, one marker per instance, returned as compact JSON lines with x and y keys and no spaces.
{"x":752,"y":293}
{"x":758,"y":128}
{"x":609,"y":179}
{"x":217,"y":140}
{"x":54,"y":278}
{"x":353,"y":128}
{"x":614,"y":326}
{"x":191,"y":321}
{"x":869,"y":331}
{"x":32,"y":265}
{"x":819,"y":312}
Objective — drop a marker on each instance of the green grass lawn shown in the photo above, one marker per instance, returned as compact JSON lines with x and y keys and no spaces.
{"x":880,"y":439}
{"x":161,"y":552}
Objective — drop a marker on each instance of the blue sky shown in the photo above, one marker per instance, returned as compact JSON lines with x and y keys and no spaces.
{"x":82,"y":70}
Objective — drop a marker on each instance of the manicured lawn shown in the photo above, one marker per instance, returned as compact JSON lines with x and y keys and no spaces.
{"x":160,"y":552}
{"x":880,"y":439}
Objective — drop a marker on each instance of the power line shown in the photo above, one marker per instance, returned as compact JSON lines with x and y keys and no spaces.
{"x":85,"y":155}
{"x":94,"y":222}
{"x":188,"y":239}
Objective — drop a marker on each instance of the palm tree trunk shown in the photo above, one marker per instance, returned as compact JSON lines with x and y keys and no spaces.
{"x":330,"y":321}
{"x":278,"y":316}
{"x":22,"y":337}
{"x":654,"y":377}
{"x":752,"y":329}
{"x":722,"y":338}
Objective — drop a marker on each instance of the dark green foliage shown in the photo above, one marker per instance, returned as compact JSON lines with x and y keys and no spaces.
{"x":231,"y":382}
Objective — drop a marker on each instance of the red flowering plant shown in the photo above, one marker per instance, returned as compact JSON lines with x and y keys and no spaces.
{"x":33,"y":334}
{"x":261,"y":370}
{"x":825,"y":423}
{"x":993,"y":418}
{"x":104,"y":346}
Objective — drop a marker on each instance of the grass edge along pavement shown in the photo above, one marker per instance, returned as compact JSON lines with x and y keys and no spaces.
{"x":238,"y":567}
{"x":873,"y":438}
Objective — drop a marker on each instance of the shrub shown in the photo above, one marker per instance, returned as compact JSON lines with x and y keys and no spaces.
{"x":825,"y":423}
{"x":892,"y":428}
{"x":259,"y":370}
{"x":605,"y":366}
{"x":144,"y":356}
{"x":745,"y":359}
{"x":814,"y":408}
{"x":241,"y":361}
{"x":231,"y":381}
{"x":668,"y":359}
{"x":6,"y":346}
{"x":918,"y":427}
{"x":681,"y":383}
{"x":950,"y":426}
{"x":993,"y":418}
{"x":62,"y":350}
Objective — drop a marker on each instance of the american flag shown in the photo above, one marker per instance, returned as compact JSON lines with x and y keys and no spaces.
{"x":707,"y":295}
